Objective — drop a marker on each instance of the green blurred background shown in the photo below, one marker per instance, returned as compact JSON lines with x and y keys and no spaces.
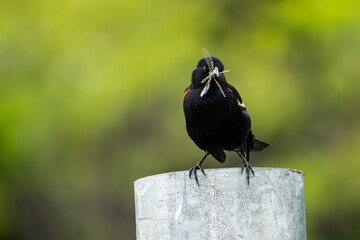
{"x":91,"y":100}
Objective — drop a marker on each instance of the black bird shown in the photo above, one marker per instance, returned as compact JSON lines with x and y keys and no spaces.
{"x":216,"y":117}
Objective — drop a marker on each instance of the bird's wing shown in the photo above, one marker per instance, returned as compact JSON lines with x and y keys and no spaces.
{"x":236,"y":94}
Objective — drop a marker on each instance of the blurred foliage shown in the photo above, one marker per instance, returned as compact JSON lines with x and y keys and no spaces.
{"x":91,"y":100}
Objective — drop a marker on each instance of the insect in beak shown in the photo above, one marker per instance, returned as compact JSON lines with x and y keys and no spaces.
{"x":214,"y":71}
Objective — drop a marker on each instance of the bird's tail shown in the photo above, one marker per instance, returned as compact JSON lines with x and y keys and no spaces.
{"x":259,"y":145}
{"x":218,"y":155}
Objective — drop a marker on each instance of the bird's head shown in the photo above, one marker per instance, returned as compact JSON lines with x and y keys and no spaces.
{"x":208,"y":70}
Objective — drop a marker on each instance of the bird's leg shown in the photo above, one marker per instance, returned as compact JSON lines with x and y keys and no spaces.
{"x":198,"y":166}
{"x":246,"y":163}
{"x":247,"y":166}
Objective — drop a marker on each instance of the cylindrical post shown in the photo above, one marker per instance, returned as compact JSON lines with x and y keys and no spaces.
{"x":172,"y":206}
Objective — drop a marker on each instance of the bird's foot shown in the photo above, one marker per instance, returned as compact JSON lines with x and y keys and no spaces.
{"x":248,"y":168}
{"x":193,"y":170}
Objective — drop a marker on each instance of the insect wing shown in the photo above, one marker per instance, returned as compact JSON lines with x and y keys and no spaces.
{"x":208,"y":59}
{"x":206,"y":88}
{"x":220,"y":88}
{"x":205,"y":79}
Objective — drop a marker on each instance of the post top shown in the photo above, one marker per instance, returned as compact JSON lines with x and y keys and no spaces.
{"x":233,"y":171}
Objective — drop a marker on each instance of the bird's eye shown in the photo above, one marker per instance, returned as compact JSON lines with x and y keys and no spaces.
{"x":204,"y":69}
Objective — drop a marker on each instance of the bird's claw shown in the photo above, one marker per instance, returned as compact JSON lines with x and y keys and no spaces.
{"x":193,"y":170}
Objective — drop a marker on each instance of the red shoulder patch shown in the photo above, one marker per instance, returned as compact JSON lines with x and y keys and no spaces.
{"x":185,"y":94}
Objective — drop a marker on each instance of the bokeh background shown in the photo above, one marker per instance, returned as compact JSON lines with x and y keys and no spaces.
{"x":91,"y":100}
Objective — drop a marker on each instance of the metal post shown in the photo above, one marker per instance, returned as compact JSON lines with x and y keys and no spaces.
{"x":171,"y":206}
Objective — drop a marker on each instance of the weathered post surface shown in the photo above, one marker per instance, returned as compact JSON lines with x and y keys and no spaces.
{"x":171,"y":205}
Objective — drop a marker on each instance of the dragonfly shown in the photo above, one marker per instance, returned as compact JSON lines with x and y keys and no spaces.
{"x":213,"y":71}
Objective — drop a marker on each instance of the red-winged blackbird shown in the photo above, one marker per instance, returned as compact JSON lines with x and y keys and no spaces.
{"x":216,"y":117}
